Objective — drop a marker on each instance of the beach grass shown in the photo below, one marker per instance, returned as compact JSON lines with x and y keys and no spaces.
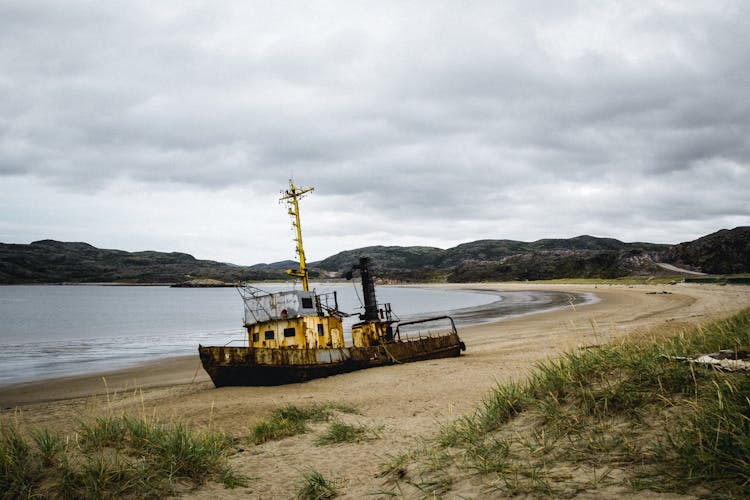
{"x":315,"y":487}
{"x":341,"y":432}
{"x":624,"y":415}
{"x":113,"y":457}
{"x":291,"y":420}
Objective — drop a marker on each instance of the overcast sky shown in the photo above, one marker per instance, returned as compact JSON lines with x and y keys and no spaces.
{"x":173,"y":126}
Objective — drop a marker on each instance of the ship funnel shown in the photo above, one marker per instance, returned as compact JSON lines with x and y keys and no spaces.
{"x":368,"y":289}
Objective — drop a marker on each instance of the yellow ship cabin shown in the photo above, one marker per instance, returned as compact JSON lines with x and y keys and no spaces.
{"x":295,"y":319}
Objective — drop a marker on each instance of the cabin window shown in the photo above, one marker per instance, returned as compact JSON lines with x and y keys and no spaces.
{"x":256,"y":336}
{"x":290,"y":332}
{"x":321,"y":330}
{"x":269,"y":335}
{"x":307,"y":302}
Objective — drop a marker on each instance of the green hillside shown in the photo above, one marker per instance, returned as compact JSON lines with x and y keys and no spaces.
{"x":50,"y":261}
{"x":723,"y":252}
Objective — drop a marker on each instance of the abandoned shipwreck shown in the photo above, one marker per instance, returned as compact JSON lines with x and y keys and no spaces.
{"x":298,"y":335}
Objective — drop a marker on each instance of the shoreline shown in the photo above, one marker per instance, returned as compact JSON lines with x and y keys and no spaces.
{"x":502,"y":305}
{"x":187,"y":369}
{"x":407,"y":402}
{"x":491,"y":312}
{"x":171,"y":370}
{"x":163,"y":372}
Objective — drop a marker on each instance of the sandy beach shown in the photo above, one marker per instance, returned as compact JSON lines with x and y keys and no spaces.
{"x":404,"y":402}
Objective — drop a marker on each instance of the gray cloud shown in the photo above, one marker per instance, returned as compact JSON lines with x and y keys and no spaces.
{"x":521,"y":120}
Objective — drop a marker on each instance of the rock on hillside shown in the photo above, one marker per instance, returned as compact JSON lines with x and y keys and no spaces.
{"x":556,"y":264}
{"x":723,"y":252}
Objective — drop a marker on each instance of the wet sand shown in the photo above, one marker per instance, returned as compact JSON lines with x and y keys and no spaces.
{"x":405,"y":402}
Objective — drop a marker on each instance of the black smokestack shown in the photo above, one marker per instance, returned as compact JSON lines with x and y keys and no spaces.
{"x":368,"y":290}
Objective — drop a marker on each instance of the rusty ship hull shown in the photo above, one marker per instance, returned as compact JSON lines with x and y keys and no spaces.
{"x":254,"y":366}
{"x":298,"y":335}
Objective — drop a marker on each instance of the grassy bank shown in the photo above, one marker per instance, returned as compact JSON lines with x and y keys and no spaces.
{"x":112,"y":457}
{"x":123,"y":456}
{"x":621,"y":417}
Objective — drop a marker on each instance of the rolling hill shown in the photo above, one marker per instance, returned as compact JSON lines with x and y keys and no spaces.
{"x":723,"y":252}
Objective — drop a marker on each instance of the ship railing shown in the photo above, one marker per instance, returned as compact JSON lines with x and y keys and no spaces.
{"x":250,"y":293}
{"x":385,"y":313}
{"x":420,"y":335}
{"x":257,"y":301}
{"x":242,"y":341}
{"x":329,"y":302}
{"x":409,"y":329}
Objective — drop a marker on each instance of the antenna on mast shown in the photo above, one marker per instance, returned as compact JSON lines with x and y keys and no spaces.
{"x":292,"y":196}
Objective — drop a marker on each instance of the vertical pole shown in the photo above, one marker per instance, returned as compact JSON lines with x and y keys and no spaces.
{"x":291,"y":196}
{"x":300,"y":248}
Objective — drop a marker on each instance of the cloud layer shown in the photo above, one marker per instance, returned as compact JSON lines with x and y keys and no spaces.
{"x":425,"y":123}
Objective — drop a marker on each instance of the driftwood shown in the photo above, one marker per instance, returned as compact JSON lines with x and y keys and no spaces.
{"x":727,"y":359}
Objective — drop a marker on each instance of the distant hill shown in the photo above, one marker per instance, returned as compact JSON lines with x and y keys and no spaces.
{"x":582,"y":256}
{"x":723,"y":252}
{"x":50,"y":261}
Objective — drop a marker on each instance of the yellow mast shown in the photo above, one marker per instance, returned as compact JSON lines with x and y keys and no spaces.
{"x":291,"y":196}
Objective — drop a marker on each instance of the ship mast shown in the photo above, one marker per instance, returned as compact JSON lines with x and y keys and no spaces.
{"x":291,"y":196}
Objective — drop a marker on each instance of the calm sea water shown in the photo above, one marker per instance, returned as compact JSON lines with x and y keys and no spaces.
{"x":52,"y":331}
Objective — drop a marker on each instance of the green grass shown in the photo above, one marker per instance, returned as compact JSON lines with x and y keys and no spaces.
{"x":314,"y":486}
{"x":291,"y":420}
{"x":20,"y":471}
{"x":340,"y":432}
{"x":49,"y":444}
{"x":663,"y":425}
{"x":113,"y":457}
